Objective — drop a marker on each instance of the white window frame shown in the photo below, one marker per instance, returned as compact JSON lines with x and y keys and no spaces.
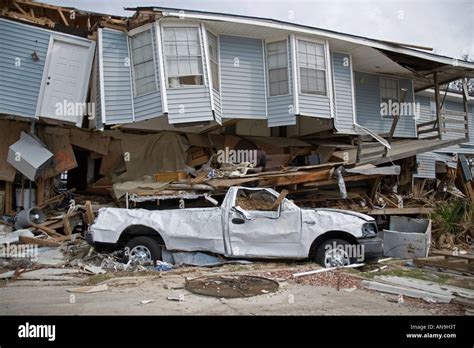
{"x":132,"y":33}
{"x":380,"y":92}
{"x":174,"y":24}
{"x":217,"y":61}
{"x":326,"y":64}
{"x":288,"y":66}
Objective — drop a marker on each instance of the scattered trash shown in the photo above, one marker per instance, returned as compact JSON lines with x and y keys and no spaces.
{"x":179,"y":298}
{"x":94,"y":269}
{"x":162,"y":266}
{"x":146,"y":301}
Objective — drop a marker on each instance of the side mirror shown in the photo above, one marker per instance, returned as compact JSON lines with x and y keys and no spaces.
{"x":238,"y":221}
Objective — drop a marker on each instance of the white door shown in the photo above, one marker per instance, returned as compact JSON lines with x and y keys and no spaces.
{"x":65,"y":80}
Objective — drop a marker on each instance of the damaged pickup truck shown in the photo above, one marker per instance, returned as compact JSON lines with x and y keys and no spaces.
{"x":250,"y":223}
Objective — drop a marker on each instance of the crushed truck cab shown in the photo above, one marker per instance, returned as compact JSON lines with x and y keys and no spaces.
{"x":250,"y":223}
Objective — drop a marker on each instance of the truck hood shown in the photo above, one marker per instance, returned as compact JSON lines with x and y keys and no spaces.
{"x":346,"y":212}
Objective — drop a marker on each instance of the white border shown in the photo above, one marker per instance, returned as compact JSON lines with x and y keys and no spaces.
{"x":208,"y":64}
{"x":264,"y":60}
{"x":161,"y":64}
{"x":101,"y":76}
{"x":296,"y":106}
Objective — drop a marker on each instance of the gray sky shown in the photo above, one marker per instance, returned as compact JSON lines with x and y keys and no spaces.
{"x":445,"y":25}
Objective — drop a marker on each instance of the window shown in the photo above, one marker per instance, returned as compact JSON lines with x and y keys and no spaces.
{"x":183,"y":57}
{"x":277,"y":60}
{"x":312,"y":67}
{"x":388,"y":90}
{"x":213,"y":58}
{"x":144,"y":74}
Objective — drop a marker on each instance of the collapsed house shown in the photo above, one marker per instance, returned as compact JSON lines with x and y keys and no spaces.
{"x":153,"y":106}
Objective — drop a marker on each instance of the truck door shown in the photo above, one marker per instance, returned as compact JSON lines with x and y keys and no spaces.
{"x":256,"y":229}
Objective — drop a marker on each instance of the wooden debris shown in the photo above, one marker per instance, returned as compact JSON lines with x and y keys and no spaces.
{"x":37,"y":241}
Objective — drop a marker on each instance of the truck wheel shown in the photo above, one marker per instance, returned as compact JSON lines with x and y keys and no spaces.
{"x":143,"y":249}
{"x":333,"y":253}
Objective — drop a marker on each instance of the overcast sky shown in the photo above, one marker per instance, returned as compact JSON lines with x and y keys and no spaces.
{"x":445,"y":25}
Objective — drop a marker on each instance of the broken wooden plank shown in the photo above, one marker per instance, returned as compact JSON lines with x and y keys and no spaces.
{"x":89,"y":213}
{"x":48,"y":230}
{"x":37,"y":241}
{"x":447,"y":255}
{"x":401,"y":211}
{"x":280,"y":199}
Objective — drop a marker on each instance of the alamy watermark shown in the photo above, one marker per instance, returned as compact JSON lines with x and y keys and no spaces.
{"x":19,"y":251}
{"x":391,"y":108}
{"x":345,"y":251}
{"x":237,"y":156}
{"x":74,"y":109}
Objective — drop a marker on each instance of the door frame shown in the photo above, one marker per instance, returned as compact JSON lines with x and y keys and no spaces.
{"x":90,"y":45}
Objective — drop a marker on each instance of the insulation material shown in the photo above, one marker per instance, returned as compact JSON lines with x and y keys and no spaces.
{"x":120,"y":189}
{"x":9,"y":133}
{"x":150,"y":154}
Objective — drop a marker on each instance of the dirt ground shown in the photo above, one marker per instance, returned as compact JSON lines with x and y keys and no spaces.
{"x":124,"y":296}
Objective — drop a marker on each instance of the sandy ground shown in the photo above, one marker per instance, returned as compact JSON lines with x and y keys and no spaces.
{"x":125,"y":294}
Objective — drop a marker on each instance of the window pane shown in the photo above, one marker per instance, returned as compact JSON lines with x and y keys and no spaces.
{"x":183,"y":56}
{"x":181,"y":34}
{"x":143,"y":63}
{"x":212,"y":41}
{"x":272,"y":62}
{"x":284,"y":87}
{"x":215,"y":76}
{"x":169,"y":34}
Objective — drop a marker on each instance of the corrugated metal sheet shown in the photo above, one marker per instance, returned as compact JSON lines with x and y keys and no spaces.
{"x":344,"y":118}
{"x":243,"y":87}
{"x":149,"y":105}
{"x":281,"y":111}
{"x":191,"y":104}
{"x":116,"y":74}
{"x":367,"y":95}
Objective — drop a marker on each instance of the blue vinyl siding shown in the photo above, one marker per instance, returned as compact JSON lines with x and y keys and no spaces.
{"x":243,"y":89}
{"x":367,"y":95}
{"x":281,"y":108}
{"x":314,"y":105}
{"x":116,"y":73}
{"x":149,"y":105}
{"x":343,"y":90}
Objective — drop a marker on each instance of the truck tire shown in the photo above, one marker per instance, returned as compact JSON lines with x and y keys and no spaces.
{"x":143,"y":248}
{"x":328,"y":256}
